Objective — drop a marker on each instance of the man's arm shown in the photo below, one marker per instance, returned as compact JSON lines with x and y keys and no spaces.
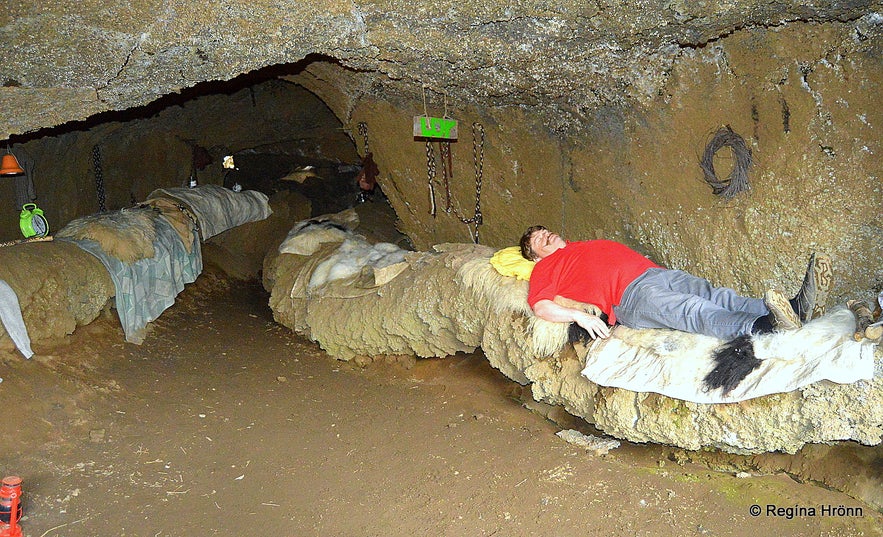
{"x":552,"y":312}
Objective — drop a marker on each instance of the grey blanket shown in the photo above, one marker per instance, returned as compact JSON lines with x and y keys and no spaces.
{"x":217,"y":208}
{"x":147,"y":287}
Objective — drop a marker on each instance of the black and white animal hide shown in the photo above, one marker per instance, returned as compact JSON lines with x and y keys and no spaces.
{"x":704,"y":369}
{"x":733,"y":361}
{"x":578,"y":334}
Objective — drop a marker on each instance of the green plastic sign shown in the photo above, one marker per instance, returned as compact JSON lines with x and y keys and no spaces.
{"x":435,"y":127}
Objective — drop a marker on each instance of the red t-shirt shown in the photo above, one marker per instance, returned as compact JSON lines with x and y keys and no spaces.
{"x":595,"y":272}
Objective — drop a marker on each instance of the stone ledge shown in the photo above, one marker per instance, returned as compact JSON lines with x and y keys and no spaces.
{"x":461,"y":303}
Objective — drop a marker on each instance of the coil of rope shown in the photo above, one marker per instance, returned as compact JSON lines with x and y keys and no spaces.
{"x":737,"y":181}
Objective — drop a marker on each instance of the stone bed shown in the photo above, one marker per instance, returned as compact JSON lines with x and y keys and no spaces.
{"x":451,"y":300}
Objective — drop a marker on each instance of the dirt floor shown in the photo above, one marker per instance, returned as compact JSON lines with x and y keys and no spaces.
{"x":225,"y":423}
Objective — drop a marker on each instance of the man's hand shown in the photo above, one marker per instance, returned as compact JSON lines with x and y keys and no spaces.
{"x":550,"y":311}
{"x":593,"y":325}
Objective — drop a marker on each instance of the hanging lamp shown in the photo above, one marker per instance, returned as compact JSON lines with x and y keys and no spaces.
{"x":10,"y":165}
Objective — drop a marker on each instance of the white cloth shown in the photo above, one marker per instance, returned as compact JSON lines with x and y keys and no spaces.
{"x":675,"y":363}
{"x":10,"y":314}
{"x":217,"y":208}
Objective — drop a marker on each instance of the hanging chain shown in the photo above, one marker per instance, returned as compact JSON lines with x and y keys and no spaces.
{"x":478,"y":161}
{"x":430,"y":171}
{"x":478,"y":137}
{"x":363,"y":130}
{"x":99,"y":178}
{"x":447,"y":172}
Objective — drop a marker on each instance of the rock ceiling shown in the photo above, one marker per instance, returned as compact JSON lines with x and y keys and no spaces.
{"x":66,"y":62}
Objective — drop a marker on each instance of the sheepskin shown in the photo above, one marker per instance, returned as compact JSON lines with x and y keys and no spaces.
{"x":147,"y":287}
{"x":430,"y":304}
{"x":451,"y":300}
{"x":421,"y":311}
{"x":218,"y":209}
{"x":127,"y":234}
{"x":301,"y":174}
{"x":505,"y":299}
{"x":59,"y":286}
{"x":674,"y":363}
{"x":308,"y":235}
{"x":354,"y":255}
{"x":174,"y":215}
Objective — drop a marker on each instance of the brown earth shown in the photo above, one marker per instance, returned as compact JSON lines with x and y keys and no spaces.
{"x":225,"y":423}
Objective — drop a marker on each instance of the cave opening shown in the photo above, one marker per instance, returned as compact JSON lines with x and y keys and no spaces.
{"x":281,"y":136}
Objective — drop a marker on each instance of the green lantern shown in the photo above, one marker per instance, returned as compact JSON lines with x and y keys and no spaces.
{"x":32,"y":221}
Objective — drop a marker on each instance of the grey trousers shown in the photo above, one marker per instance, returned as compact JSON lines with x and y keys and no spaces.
{"x":665,"y":298}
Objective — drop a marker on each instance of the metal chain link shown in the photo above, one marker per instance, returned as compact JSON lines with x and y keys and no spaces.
{"x":447,"y":173}
{"x":363,"y":130}
{"x":99,"y":178}
{"x":430,"y":171}
{"x":478,"y":161}
{"x":478,"y":137}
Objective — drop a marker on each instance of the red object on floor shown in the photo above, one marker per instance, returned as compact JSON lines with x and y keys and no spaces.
{"x":10,"y":506}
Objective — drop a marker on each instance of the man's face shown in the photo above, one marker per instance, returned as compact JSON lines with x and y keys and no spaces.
{"x":543,"y":242}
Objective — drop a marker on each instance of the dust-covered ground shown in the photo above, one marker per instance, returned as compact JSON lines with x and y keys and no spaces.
{"x":225,"y":423}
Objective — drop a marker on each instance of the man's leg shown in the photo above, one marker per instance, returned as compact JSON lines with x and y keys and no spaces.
{"x":684,"y":282}
{"x":663,"y":298}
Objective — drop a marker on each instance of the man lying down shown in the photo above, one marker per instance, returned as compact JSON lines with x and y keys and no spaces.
{"x":633,"y":291}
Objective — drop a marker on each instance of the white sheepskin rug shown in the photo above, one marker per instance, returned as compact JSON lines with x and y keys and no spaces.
{"x":503,"y":296}
{"x":675,"y":363}
{"x":354,"y":255}
{"x":307,"y":236}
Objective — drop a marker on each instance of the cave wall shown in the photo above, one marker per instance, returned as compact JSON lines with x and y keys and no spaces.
{"x":595,"y":115}
{"x":802,"y":96}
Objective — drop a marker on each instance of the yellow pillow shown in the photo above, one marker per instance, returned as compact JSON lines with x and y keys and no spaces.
{"x":509,"y":262}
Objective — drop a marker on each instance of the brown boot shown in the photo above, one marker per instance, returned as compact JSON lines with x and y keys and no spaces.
{"x":784,"y":316}
{"x":811,"y":300}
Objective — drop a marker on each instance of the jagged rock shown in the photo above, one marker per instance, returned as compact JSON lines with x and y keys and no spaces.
{"x":593,"y":116}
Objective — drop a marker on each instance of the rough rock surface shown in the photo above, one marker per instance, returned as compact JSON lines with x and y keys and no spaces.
{"x":59,"y":287}
{"x":594,"y":115}
{"x":453,"y":301}
{"x":240,"y":251}
{"x":74,"y":61}
{"x":422,"y":314}
{"x":819,"y":413}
